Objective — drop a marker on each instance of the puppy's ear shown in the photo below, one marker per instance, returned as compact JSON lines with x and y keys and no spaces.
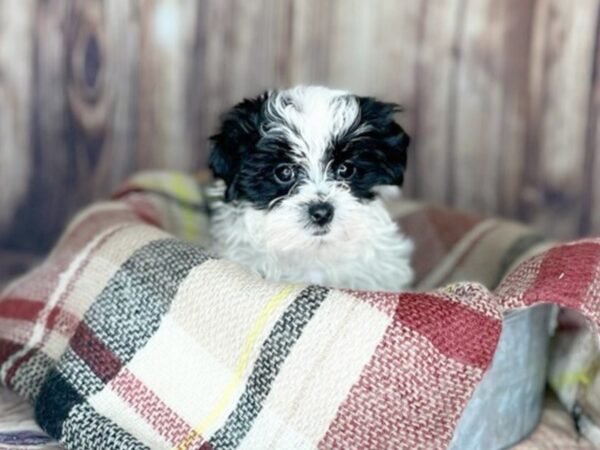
{"x":239,"y":132}
{"x":394,"y":141}
{"x":398,"y":142}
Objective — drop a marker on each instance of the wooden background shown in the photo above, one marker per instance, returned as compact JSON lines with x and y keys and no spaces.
{"x":502,"y":97}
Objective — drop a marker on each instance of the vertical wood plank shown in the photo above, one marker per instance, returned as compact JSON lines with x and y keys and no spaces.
{"x":311,"y":30}
{"x":247,"y":48}
{"x":477,"y":108}
{"x":374,"y":48}
{"x":438,"y":56}
{"x":374,"y":51}
{"x":590,"y":214}
{"x":89,"y":100}
{"x":16,"y":48}
{"x":122,"y":65}
{"x":562,"y":59}
{"x":490,"y":113}
{"x":513,"y":145}
{"x":167,"y":39}
{"x":196,"y":122}
{"x":40,"y":217}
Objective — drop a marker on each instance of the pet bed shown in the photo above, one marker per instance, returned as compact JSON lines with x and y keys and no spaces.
{"x":128,"y":336}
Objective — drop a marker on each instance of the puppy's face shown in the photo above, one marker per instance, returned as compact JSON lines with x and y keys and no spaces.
{"x":306,"y":162}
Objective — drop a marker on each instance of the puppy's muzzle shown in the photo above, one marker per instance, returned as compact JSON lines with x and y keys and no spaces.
{"x":320,"y":213}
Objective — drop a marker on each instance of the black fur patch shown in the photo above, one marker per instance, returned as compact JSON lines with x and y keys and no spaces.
{"x":246,"y":161}
{"x":379,"y":154}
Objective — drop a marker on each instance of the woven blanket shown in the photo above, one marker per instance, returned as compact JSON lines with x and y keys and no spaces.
{"x":131,"y":336}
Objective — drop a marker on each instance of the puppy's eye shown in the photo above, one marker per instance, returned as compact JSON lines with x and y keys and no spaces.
{"x":285,"y":173}
{"x":346,"y":171}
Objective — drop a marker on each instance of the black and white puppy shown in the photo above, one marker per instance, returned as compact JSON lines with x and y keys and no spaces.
{"x":301,"y":169}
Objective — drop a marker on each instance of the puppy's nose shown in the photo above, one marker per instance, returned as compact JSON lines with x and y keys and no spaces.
{"x":320,"y":213}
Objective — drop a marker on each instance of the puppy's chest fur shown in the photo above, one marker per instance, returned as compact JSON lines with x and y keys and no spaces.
{"x":378,"y":260}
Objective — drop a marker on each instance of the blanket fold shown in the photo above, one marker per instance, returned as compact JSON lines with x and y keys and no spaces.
{"x":130,"y":335}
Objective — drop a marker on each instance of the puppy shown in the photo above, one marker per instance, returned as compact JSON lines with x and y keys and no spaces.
{"x":302,"y":169}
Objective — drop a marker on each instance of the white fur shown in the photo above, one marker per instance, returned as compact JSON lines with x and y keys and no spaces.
{"x":318,"y":115}
{"x":363,"y":249}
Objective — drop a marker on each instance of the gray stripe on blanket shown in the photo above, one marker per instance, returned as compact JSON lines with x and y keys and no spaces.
{"x":81,"y":377}
{"x":86,"y":429}
{"x":28,"y":379}
{"x":129,"y":310}
{"x":285,"y":333}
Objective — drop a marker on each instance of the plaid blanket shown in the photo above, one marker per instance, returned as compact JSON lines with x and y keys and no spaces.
{"x":131,"y":336}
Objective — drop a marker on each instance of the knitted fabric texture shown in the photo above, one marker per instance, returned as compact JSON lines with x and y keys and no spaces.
{"x":131,"y":336}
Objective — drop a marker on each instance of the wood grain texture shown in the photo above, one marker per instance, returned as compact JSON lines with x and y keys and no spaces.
{"x":489,"y":113}
{"x":51,"y":190}
{"x":501,"y":97}
{"x":121,"y":72}
{"x":247,"y":48}
{"x":436,"y":72}
{"x":166,"y":43}
{"x":562,"y":60}
{"x":16,"y":36}
{"x":590,"y":217}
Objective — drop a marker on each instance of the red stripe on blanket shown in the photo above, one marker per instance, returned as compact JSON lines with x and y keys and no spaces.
{"x":565,"y":275}
{"x":96,"y":355}
{"x":383,"y":301}
{"x":456,"y":330}
{"x":153,"y":410}
{"x":58,"y":319}
{"x":7,"y":348}
{"x":62,"y":321}
{"x":49,"y":319}
{"x":42,"y":281}
{"x":408,"y":395}
{"x":20,"y":308}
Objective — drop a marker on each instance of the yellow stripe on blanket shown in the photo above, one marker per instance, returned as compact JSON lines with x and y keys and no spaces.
{"x":176,"y":184}
{"x":241,"y":366}
{"x":583,"y":376}
{"x":179,"y":185}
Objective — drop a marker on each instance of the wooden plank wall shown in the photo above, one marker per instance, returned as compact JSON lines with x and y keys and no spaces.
{"x":502,"y":97}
